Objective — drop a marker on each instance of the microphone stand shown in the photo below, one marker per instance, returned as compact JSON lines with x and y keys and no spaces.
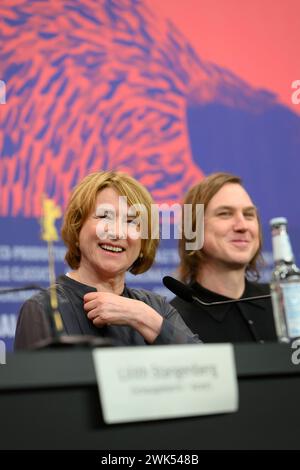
{"x":188,"y":294}
{"x":231,"y":301}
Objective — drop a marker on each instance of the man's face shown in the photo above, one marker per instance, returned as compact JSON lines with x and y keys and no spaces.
{"x":231,"y":230}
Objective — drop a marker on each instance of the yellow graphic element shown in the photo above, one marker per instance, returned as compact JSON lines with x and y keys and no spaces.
{"x":51,"y":212}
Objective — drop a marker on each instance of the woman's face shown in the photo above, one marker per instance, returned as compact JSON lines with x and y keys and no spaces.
{"x":109,"y":239}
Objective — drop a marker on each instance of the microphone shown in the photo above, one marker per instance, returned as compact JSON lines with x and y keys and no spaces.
{"x":189,"y":295}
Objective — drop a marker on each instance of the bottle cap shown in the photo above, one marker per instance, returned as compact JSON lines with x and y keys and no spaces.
{"x":278,"y":221}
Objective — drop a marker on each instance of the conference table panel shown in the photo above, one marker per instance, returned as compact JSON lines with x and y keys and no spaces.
{"x":49,"y":400}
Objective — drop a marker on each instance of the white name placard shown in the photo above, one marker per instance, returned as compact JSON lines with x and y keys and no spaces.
{"x":157,"y":382}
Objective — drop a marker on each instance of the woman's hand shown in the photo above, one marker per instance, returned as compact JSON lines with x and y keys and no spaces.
{"x":105,"y":308}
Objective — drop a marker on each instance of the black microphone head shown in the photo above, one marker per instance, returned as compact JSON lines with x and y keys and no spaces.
{"x":179,"y":289}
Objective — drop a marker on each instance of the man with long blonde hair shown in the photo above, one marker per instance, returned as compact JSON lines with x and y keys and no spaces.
{"x":225,"y":268}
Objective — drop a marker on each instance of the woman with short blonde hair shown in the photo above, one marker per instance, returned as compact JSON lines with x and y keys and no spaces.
{"x":108,"y":229}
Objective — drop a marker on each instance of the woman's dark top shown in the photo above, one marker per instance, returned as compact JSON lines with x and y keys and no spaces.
{"x":34,"y":320}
